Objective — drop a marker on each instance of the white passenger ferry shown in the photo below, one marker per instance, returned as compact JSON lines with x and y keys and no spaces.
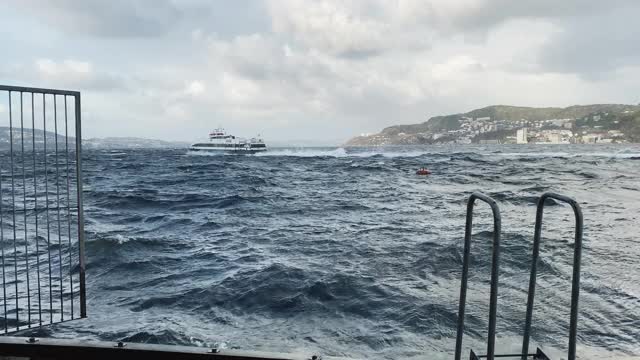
{"x":221,"y":141}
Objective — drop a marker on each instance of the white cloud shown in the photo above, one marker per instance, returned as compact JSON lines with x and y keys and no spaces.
{"x":352,"y":29}
{"x":336,"y":27}
{"x":116,"y":18}
{"x":176,"y":111}
{"x":70,"y":73}
{"x":196,"y":34}
{"x":455,"y":66}
{"x":48,"y":67}
{"x":195,"y":88}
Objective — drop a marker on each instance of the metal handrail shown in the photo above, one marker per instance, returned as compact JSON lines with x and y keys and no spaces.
{"x":575,"y":286}
{"x":38,"y":90}
{"x":493,"y":299}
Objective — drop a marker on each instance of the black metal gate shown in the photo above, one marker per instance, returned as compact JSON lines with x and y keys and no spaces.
{"x":41,"y":216}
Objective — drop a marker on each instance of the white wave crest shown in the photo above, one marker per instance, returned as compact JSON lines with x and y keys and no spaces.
{"x":615,"y":155}
{"x":341,"y":152}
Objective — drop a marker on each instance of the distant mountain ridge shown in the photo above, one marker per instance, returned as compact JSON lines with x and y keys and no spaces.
{"x":28,"y":134}
{"x":130,"y":143}
{"x":424,"y":133}
{"x":91,"y":143}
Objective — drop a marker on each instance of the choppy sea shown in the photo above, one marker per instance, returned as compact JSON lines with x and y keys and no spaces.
{"x":347,"y":252}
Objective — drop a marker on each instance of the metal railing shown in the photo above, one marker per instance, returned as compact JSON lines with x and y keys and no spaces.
{"x":575,"y":283}
{"x":495,"y":259}
{"x":575,"y":289}
{"x":41,"y":213}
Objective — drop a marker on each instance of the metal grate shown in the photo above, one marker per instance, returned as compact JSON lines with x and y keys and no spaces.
{"x":41,"y":217}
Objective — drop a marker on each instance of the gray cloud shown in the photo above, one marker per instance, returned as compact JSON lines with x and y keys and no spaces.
{"x":483,"y":15}
{"x":593,"y":37}
{"x":322,"y":69}
{"x":147,"y":18}
{"x":115,"y":18}
{"x":350,"y":29}
{"x":595,"y":45}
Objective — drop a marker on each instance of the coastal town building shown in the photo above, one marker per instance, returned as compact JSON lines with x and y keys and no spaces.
{"x":521,"y":136}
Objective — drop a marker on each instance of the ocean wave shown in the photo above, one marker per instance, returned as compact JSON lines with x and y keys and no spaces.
{"x":204,"y":153}
{"x":610,"y":155}
{"x":158,"y":337}
{"x":349,"y":153}
{"x":305,"y":152}
{"x":391,"y":152}
{"x":351,"y":244}
{"x":394,"y":152}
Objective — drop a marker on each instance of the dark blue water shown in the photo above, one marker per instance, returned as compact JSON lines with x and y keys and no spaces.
{"x":348,"y":252}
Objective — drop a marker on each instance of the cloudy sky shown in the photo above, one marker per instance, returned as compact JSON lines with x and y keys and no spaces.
{"x":323,"y":70}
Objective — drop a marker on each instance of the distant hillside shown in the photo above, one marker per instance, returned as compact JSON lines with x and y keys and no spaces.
{"x":504,"y":119}
{"x":130,"y":143}
{"x":93,"y":143}
{"x":630,"y":124}
{"x":28,"y":135}
{"x":504,"y":112}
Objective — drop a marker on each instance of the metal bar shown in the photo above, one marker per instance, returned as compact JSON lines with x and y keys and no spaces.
{"x":35,"y":205}
{"x":45,"y":348}
{"x":81,"y":260}
{"x":532,"y":277}
{"x":504,"y":355}
{"x":66,"y":146}
{"x":4,"y":279}
{"x":575,"y":283}
{"x":473,"y":356}
{"x":55,"y":122}
{"x":38,"y":90}
{"x":20,"y":211}
{"x":493,"y":298}
{"x":13,"y":206}
{"x":46,"y":192}
{"x":539,"y":355}
{"x":24,"y":204}
{"x":463,"y":284}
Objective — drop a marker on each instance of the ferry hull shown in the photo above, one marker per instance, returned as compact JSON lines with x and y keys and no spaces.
{"x":228,"y":151}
